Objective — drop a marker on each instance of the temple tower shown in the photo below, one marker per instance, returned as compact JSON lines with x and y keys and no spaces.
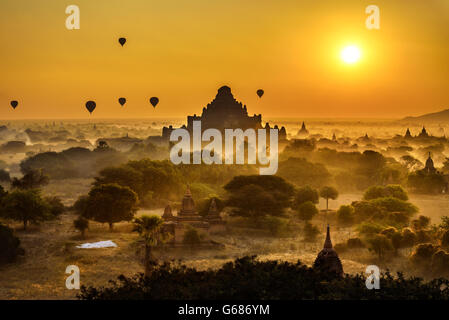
{"x":328,"y":260}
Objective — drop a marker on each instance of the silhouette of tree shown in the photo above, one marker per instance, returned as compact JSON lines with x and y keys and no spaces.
{"x":328,"y":193}
{"x":149,"y":228}
{"x":110,"y":203}
{"x":26,"y":206}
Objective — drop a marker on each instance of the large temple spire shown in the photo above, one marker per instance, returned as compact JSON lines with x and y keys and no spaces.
{"x":328,"y":242}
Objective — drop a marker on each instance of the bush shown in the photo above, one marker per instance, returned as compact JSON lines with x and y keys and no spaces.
{"x":307,"y":211}
{"x":305,"y":194}
{"x":445,"y":239}
{"x":393,"y":191}
{"x":423,"y":253}
{"x":408,"y":238}
{"x":345,"y":215}
{"x":81,"y":224}
{"x":440,"y":262}
{"x":9,"y":245}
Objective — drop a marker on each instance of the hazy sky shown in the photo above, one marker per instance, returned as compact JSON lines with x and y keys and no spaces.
{"x":182,"y":51}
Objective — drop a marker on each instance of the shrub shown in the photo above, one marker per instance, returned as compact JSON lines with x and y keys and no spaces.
{"x":445,"y":239}
{"x":305,"y":194}
{"x":9,"y":245}
{"x":81,"y":224}
{"x":408,"y":238}
{"x":423,"y":253}
{"x":345,"y":215}
{"x":307,"y":211}
{"x":440,"y":262}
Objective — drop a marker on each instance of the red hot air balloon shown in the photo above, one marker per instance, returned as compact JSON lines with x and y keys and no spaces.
{"x":122,"y":41}
{"x":154,"y":101}
{"x":90,"y":106}
{"x":260,"y":93}
{"x":14,"y":104}
{"x":122,"y":101}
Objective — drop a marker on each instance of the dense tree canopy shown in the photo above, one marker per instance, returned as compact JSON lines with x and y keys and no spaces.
{"x":26,"y":206}
{"x":247,"y":278}
{"x":110,"y":203}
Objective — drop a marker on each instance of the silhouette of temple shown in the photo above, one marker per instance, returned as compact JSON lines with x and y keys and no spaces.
{"x":408,"y":134}
{"x":225,"y":112}
{"x":423,"y":133}
{"x":430,"y":167}
{"x":188,"y":217}
{"x":303,"y":132}
{"x":327,"y":259}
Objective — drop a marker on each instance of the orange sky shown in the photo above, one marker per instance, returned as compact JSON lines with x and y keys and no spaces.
{"x":183,"y":50}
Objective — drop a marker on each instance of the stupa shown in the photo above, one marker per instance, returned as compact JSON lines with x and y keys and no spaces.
{"x":328,"y":260}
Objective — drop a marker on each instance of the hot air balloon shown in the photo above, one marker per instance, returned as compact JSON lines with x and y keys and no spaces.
{"x":122,"y":101}
{"x":260,"y":93}
{"x":154,"y":101}
{"x":14,"y":104}
{"x":90,"y":106}
{"x":122,"y":41}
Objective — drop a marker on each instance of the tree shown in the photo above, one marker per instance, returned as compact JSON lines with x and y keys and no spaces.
{"x":305,"y":194}
{"x":393,"y":191}
{"x":328,"y":193}
{"x":81,"y":224}
{"x":421,"y":223}
{"x":110,"y":203}
{"x":32,"y":179}
{"x":4,"y":176}
{"x":301,"y":172}
{"x":56,"y":205}
{"x":254,"y":202}
{"x":257,"y":196}
{"x":380,"y":244}
{"x":345,"y":215}
{"x":9,"y":245}
{"x":307,"y":211}
{"x":26,"y":206}
{"x":445,"y":239}
{"x":149,"y":228}
{"x":310,"y":232}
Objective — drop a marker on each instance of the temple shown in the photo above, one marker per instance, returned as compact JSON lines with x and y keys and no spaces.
{"x":188,"y":217}
{"x":328,"y":260}
{"x":423,"y":133}
{"x":408,"y":134}
{"x":430,"y":167}
{"x":303,"y":132}
{"x":225,"y":112}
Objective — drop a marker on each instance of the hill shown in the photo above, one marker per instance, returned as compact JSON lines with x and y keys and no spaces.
{"x":441,"y":116}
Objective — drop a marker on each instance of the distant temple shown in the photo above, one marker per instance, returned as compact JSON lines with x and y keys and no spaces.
{"x":188,"y":217}
{"x":408,"y":134}
{"x":225,"y":112}
{"x":423,"y":133}
{"x":303,"y":132}
{"x":430,"y":167}
{"x":328,"y":260}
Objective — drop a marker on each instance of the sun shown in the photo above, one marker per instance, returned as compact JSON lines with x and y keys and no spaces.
{"x":350,"y":54}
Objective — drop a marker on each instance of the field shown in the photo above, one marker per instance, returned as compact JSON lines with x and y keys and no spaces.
{"x":50,"y":248}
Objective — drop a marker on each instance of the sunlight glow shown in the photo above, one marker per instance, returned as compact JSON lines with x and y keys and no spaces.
{"x":350,"y":54}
